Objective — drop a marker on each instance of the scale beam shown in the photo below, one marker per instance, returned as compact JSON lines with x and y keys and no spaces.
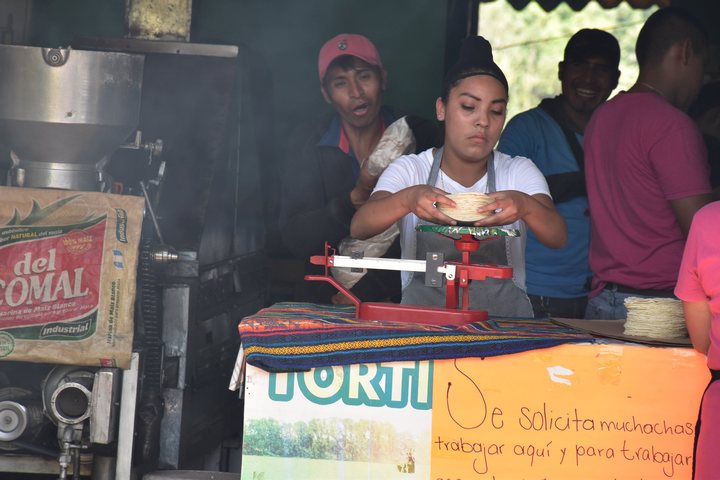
{"x":458,"y":276}
{"x":372,"y":263}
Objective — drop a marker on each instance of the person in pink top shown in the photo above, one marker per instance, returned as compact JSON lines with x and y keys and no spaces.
{"x":646,"y":168}
{"x":698,"y":286}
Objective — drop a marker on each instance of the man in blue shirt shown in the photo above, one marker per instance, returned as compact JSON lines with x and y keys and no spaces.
{"x":551,"y":136}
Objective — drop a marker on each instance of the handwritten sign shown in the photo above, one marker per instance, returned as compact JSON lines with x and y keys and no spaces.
{"x":571,"y":412}
{"x":590,"y":412}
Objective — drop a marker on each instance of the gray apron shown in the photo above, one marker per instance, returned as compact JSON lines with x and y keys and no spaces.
{"x":500,"y":297}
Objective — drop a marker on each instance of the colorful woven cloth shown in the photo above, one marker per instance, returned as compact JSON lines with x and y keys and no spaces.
{"x":300,"y":336}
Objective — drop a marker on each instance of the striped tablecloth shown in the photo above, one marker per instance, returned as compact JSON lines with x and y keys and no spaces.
{"x":300,"y":336}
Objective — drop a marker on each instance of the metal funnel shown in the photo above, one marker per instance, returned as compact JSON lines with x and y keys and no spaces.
{"x":63,"y":111}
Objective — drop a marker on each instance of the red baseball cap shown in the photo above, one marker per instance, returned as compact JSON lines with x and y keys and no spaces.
{"x":347,"y":44}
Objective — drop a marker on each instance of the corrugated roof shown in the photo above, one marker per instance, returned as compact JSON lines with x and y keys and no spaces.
{"x":577,"y":5}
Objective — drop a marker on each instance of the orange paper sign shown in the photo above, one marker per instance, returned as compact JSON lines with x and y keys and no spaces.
{"x":591,"y":412}
{"x":607,"y":412}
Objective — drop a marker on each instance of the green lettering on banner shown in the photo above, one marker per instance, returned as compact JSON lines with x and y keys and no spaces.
{"x":121,"y":225}
{"x":7,"y":344}
{"x":12,"y":235}
{"x":79,"y":329}
{"x":391,"y":385}
{"x":67,"y":330}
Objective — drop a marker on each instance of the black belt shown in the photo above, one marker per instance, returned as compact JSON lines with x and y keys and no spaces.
{"x":635,"y":291}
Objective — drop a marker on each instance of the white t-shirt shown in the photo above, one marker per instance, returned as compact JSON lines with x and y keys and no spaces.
{"x":511,"y":173}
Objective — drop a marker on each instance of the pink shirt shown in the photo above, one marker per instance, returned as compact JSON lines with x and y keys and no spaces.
{"x":640,"y":153}
{"x":699,"y":277}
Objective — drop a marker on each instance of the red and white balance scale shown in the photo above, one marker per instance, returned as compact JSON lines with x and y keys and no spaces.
{"x":458,"y":276}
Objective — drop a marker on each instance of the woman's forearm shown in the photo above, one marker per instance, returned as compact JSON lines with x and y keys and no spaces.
{"x":698,"y":318}
{"x":377,"y":214}
{"x":546,"y":222}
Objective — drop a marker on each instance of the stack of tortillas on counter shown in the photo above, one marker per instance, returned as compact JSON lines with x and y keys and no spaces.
{"x":467,"y":206}
{"x":655,"y":318}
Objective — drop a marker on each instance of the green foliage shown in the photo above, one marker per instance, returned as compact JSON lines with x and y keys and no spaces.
{"x":528,"y":44}
{"x":263,"y":437}
{"x":328,"y":439}
{"x":280,"y":468}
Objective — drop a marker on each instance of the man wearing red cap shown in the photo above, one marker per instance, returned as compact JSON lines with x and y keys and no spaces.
{"x":326,"y":178}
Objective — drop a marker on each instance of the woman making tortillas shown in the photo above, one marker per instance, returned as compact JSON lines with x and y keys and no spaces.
{"x":414,"y":189}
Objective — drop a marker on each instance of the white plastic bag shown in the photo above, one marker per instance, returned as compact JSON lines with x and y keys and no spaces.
{"x":397,"y":140}
{"x":372,"y":247}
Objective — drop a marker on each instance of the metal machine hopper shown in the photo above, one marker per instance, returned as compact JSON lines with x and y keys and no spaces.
{"x":63,"y":111}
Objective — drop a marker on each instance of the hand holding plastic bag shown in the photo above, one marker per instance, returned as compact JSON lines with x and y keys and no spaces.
{"x":397,"y":140}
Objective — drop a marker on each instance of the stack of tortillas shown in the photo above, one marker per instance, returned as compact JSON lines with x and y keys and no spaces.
{"x":467,"y":206}
{"x":655,"y":318}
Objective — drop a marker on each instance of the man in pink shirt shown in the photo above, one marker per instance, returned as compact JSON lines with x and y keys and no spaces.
{"x":646,"y":168}
{"x":698,"y":286}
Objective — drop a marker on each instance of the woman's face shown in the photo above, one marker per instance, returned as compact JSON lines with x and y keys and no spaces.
{"x":474,"y":117}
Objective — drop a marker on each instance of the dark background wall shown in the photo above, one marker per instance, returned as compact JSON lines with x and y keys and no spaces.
{"x":286,"y":35}
{"x":410,"y":35}
{"x":55,"y":23}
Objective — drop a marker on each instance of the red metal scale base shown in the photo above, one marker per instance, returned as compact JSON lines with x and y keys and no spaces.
{"x":456,"y":311}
